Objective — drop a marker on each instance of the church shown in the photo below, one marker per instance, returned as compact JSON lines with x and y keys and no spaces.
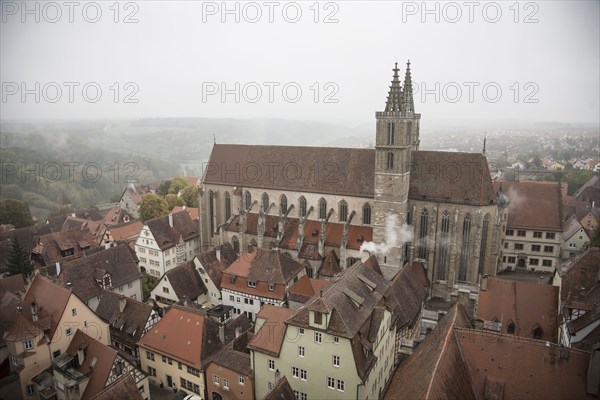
{"x":327,"y":207}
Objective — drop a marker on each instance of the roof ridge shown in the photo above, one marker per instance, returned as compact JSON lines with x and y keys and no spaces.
{"x":437,"y":363}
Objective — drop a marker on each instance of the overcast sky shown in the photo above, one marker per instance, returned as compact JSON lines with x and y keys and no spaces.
{"x":531,"y":61}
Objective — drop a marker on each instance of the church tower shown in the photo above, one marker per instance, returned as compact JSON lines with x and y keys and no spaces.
{"x":397,"y":135}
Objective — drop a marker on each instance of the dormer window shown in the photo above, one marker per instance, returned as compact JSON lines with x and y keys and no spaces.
{"x":271,"y":287}
{"x":538,"y":333}
{"x":252,"y":284}
{"x":511,"y":328}
{"x":232,"y":279}
{"x":106,"y":281}
{"x":318,"y":318}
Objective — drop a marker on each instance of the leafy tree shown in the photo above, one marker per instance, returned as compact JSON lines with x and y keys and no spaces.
{"x":18,"y":261}
{"x":177,"y":184}
{"x":148,"y":283}
{"x":153,"y":206}
{"x":15,"y":213}
{"x":190,"y":196}
{"x":164,"y":187}
{"x":173,"y":201}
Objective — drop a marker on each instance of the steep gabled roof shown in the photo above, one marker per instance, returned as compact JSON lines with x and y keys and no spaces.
{"x":269,"y":338}
{"x":166,"y":236}
{"x":127,"y":325}
{"x":305,"y":288}
{"x":265,"y":266}
{"x":123,"y":388}
{"x":281,"y":391}
{"x":186,"y":281}
{"x":50,"y":299}
{"x":330,"y":266}
{"x":435,"y":370}
{"x":215,"y":267}
{"x":407,"y":291}
{"x":235,"y":356}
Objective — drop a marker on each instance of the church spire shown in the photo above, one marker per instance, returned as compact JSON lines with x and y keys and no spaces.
{"x":408,"y":105}
{"x":394,"y":99}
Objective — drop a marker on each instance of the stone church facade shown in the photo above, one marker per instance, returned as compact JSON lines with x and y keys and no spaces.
{"x":440,"y":207}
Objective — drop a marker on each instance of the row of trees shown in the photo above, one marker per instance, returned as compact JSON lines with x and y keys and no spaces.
{"x":166,"y":197}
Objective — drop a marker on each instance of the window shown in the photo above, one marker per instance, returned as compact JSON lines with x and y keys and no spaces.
{"x":295,"y":372}
{"x":28,"y":345}
{"x":518,"y":246}
{"x":165,"y":290}
{"x":193,"y":371}
{"x":69,"y":331}
{"x":231,"y":298}
{"x":164,"y":359}
{"x":149,"y":355}
{"x":390,"y":139}
{"x":367,"y":214}
{"x":271,"y":287}
{"x":538,"y":333}
{"x":511,"y":328}
{"x":225,"y":383}
{"x":227,"y":206}
{"x":336,"y":340}
{"x":534,"y":261}
{"x":215,"y":379}
{"x":536,"y":247}
{"x":330,"y":382}
{"x":506,"y":245}
{"x":548,"y":249}
{"x":265,"y":202}
{"x":211,"y":212}
{"x":336,"y":361}
{"x":422,"y":249}
{"x":390,"y":161}
{"x":550,"y":235}
{"x":271,"y":364}
{"x":322,"y":208}
{"x":252,"y":284}
{"x":303,"y":374}
{"x":537,"y":235}
{"x":270,"y":385}
{"x":303,"y":396}
{"x":464,"y":253}
{"x":521,"y":233}
{"x":318,"y":317}
{"x":283,"y":204}
{"x":546,"y":263}
{"x":247,"y":200}
{"x":340,"y":385}
{"x":300,"y":351}
{"x":301,"y":331}
{"x":512,"y":259}
{"x":241,"y":379}
{"x":302,"y":206}
{"x":129,"y":285}
{"x":510,"y":232}
{"x":151,"y":371}
{"x":318,"y":337}
{"x":121,"y":288}
{"x":74,"y":312}
{"x":343,"y":215}
{"x":30,"y":390}
{"x":443,"y":259}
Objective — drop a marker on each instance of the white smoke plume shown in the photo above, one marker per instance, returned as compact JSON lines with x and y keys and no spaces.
{"x":395,"y":236}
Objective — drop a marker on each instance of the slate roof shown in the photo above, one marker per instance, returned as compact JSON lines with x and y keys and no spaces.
{"x":128,"y":325}
{"x":49,"y":246}
{"x":235,"y":356}
{"x":186,"y":281}
{"x":83,"y":273}
{"x":215,"y":267}
{"x":265,"y":266}
{"x":407,"y":291}
{"x":581,"y":277}
{"x":14,"y":284}
{"x":528,"y":305}
{"x":435,"y":370}
{"x":572,"y":226}
{"x":589,"y":191}
{"x":130,"y":230}
{"x":166,"y":236}
{"x":533,"y":205}
{"x":441,"y":176}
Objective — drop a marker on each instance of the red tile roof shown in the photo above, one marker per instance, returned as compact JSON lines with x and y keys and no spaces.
{"x":50,"y":298}
{"x":528,"y":305}
{"x":533,"y":205}
{"x":305,"y":288}
{"x":269,"y":338}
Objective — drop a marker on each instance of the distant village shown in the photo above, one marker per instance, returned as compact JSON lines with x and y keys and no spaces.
{"x":411,"y":274}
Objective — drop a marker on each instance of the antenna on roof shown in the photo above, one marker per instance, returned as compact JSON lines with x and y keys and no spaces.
{"x":484,"y":140}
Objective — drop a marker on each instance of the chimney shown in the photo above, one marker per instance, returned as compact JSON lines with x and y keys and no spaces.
{"x":484,"y":282}
{"x":122,"y":303}
{"x":57,"y":268}
{"x":238,"y":331}
{"x":222,"y":333}
{"x":218,"y":253}
{"x":170,"y":220}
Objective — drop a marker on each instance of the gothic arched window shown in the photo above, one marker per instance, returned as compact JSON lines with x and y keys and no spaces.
{"x":390,"y":161}
{"x":227,"y":206}
{"x":390,"y":140}
{"x":302,"y":206}
{"x":343,"y":211}
{"x":367,"y":214}
{"x":322,"y":208}
{"x":211,"y":212}
{"x":247,"y":200}
{"x":423,"y":234}
{"x":265,"y":202}
{"x":283,"y":204}
{"x":483,"y":245}
{"x":464,"y":253}
{"x":443,"y":259}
